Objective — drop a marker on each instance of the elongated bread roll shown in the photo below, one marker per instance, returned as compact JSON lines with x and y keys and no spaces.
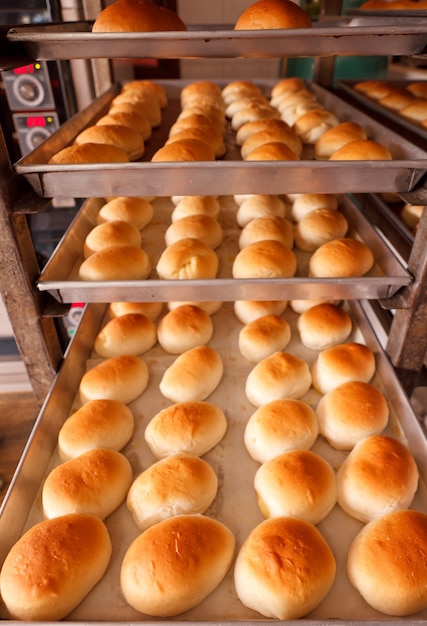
{"x":194,"y":375}
{"x":263,"y":337}
{"x":184,"y":328}
{"x":111,"y":234}
{"x":54,"y":566}
{"x":135,"y":210}
{"x":120,"y":136}
{"x":122,"y":262}
{"x":133,"y":333}
{"x":89,"y":153}
{"x":187,"y":259}
{"x":122,"y":378}
{"x":340,"y":258}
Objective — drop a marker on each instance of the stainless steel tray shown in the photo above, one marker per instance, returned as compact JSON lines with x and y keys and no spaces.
{"x":229,"y":175}
{"x":60,"y":276}
{"x":345,"y":35}
{"x":235,"y":504}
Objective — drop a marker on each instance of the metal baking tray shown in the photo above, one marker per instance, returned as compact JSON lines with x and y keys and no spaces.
{"x":229,"y":175}
{"x":235,"y":504}
{"x":344,"y":35}
{"x":60,"y":275}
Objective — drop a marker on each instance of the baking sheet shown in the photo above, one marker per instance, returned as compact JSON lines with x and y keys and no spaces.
{"x":229,"y":175}
{"x":60,"y":275}
{"x":235,"y":504}
{"x":345,"y":35}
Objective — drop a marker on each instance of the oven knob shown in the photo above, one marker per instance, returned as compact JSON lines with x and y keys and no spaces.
{"x":28,"y":91}
{"x":36,"y":136}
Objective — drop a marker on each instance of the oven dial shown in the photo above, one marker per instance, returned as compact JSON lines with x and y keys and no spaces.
{"x":29,"y":91}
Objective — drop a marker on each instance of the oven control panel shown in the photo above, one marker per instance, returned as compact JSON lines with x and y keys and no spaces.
{"x":29,"y":87}
{"x":33,"y":128}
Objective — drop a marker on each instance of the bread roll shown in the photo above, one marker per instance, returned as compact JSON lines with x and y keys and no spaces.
{"x":305,"y":203}
{"x":126,"y":16}
{"x":95,"y":482}
{"x":240,"y":103}
{"x":351,"y":412}
{"x":290,"y":99}
{"x":320,"y":227}
{"x":207,"y":134}
{"x":192,"y":427}
{"x":184,"y":150}
{"x":120,"y":136}
{"x":378,"y":476}
{"x":291,"y":113}
{"x":202,"y":227}
{"x":252,"y":112}
{"x":174,"y":565}
{"x":152,"y":310}
{"x":247,"y":311}
{"x":418,"y":88}
{"x":312,"y":124}
{"x":196,"y":205}
{"x":178,"y":484}
{"x":187,"y":259}
{"x":53,"y":567}
{"x":281,"y":375}
{"x":273,"y":228}
{"x":97,"y":424}
{"x":273,"y":14}
{"x":194,"y":375}
{"x":362,"y":150}
{"x":122,"y":378}
{"x":89,"y":153}
{"x":397,"y":99}
{"x":148,"y":87}
{"x":250,"y":128}
{"x":411,"y":214}
{"x":280,"y":426}
{"x":114,"y":233}
{"x":200,"y":88}
{"x":259,"y":205}
{"x":132,"y":119}
{"x":324,"y":325}
{"x":263,"y":337}
{"x":386,"y":563}
{"x":200,"y":116}
{"x":272,"y":151}
{"x":300,"y":306}
{"x":341,"y":364}
{"x":373,"y":88}
{"x":286,"y":136}
{"x":133,"y":333}
{"x":265,"y":259}
{"x":137,"y":211}
{"x":266,"y":574}
{"x":287,"y":85}
{"x":337,"y":137}
{"x":297,"y":483}
{"x":209,"y":306}
{"x":237,"y":88}
{"x":415,"y":111}
{"x":340,"y":258}
{"x":184,"y":328}
{"x":116,"y":263}
{"x":130,"y":102}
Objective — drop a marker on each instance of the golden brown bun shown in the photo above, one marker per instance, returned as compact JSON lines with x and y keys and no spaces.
{"x":174,"y":565}
{"x":114,"y":233}
{"x":272,"y":151}
{"x":148,"y":105}
{"x":323,"y":326}
{"x":124,"y":16}
{"x":362,"y":150}
{"x":193,"y":376}
{"x":89,"y":153}
{"x":311,"y":125}
{"x":350,"y":412}
{"x":253,"y":111}
{"x":187,"y":259}
{"x":178,"y":484}
{"x":273,"y":228}
{"x":292,"y":113}
{"x":278,"y":427}
{"x":152,"y":310}
{"x":411,"y":214}
{"x":290,"y":100}
{"x":416,"y":111}
{"x":263,"y":337}
{"x":240,"y":103}
{"x":377,"y":477}
{"x":148,"y":87}
{"x":199,"y":116}
{"x":120,"y":136}
{"x":200,"y":88}
{"x":297,"y":483}
{"x":286,"y":136}
{"x":340,"y":258}
{"x":249,"y":310}
{"x":248,"y":129}
{"x":196,"y":205}
{"x":265,"y":259}
{"x":192,"y":427}
{"x":418,"y":88}
{"x":264,"y":574}
{"x":134,"y":120}
{"x":281,"y":375}
{"x":341,"y":364}
{"x":378,"y":88}
{"x":287,"y":85}
{"x":266,"y":14}
{"x":53,"y":567}
{"x":132,"y":209}
{"x":207,"y":134}
{"x":184,"y":150}
{"x":337,"y":137}
{"x":133,"y":333}
{"x":397,"y":99}
{"x":318,"y":228}
{"x":300,"y":306}
{"x":238,"y":88}
{"x":209,"y":306}
{"x":259,"y":205}
{"x":97,"y":424}
{"x":202,"y":227}
{"x":386,"y":563}
{"x":122,"y":378}
{"x":304,"y":203}
{"x":183,"y":328}
{"x":95,"y":482}
{"x":116,"y":263}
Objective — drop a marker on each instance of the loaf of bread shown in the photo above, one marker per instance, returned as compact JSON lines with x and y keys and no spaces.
{"x":133,"y":333}
{"x":122,"y":378}
{"x":122,"y":262}
{"x":187,"y":259}
{"x":54,"y":566}
{"x":280,"y":426}
{"x":177,"y":484}
{"x":192,"y":427}
{"x":273,"y":228}
{"x":152,"y":310}
{"x":266,"y":574}
{"x":296,"y":483}
{"x":122,"y":137}
{"x":324,"y":325}
{"x":114,"y":233}
{"x":194,"y":375}
{"x":281,"y":375}
{"x":89,"y":153}
{"x":340,"y":258}
{"x":386,"y":563}
{"x":133,"y":209}
{"x":319,"y":227}
{"x":263,"y":337}
{"x":265,"y":259}
{"x":95,"y":482}
{"x":97,"y":424}
{"x":273,"y":14}
{"x":247,"y":311}
{"x":340,"y":364}
{"x":174,"y":565}
{"x":184,"y":328}
{"x":124,"y":16}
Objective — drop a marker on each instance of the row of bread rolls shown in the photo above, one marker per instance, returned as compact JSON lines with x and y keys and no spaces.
{"x":394,"y":5}
{"x":120,"y":134}
{"x":408,"y":101}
